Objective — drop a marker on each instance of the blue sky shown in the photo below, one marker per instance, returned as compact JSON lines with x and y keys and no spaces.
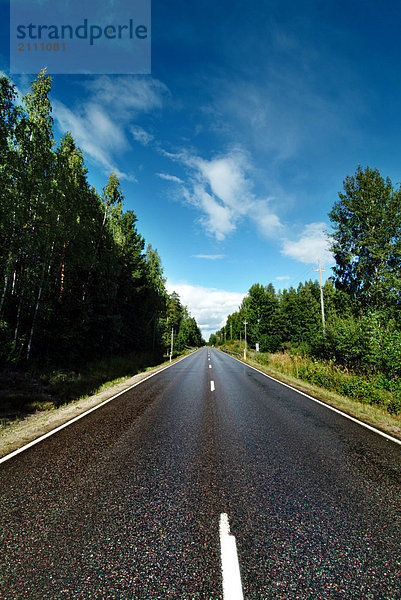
{"x":234,"y":149}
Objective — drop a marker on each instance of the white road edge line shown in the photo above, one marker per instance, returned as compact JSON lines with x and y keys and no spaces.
{"x":82,"y":415}
{"x":212,"y":386}
{"x":340,"y":412}
{"x":232,"y":587}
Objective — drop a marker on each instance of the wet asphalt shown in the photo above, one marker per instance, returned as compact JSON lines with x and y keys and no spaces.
{"x":125,"y":503}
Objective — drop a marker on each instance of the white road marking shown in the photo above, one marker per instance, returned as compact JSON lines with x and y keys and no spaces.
{"x":212,"y":386}
{"x":340,"y":412}
{"x":81,"y":416}
{"x":232,"y":587}
{"x":210,"y":366}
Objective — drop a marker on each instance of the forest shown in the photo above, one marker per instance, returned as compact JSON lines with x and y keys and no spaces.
{"x":77,"y":280}
{"x":359,"y":341}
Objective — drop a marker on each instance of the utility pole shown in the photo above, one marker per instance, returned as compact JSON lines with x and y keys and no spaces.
{"x":231,"y":331}
{"x":321,"y":295}
{"x":245,"y":323}
{"x":172,"y":343}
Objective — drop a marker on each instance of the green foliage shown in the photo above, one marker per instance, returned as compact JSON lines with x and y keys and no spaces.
{"x":359,"y":353}
{"x":181,"y":330}
{"x":366,"y":241}
{"x":373,"y":389}
{"x":212,"y":340}
{"x":274,"y":319}
{"x":75,"y":279}
{"x":25,"y":392}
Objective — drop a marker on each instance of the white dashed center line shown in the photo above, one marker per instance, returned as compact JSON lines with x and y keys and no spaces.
{"x":232,"y":587}
{"x":212,"y":386}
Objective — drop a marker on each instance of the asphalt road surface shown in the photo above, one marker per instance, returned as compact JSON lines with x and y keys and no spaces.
{"x":139,"y":499}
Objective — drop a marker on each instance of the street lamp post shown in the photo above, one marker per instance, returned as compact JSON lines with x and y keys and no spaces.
{"x":245,"y":323}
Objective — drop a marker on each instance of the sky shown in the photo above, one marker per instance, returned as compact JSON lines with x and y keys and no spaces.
{"x":233,"y":149}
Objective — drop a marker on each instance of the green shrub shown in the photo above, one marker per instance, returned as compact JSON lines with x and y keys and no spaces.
{"x":370,"y":388}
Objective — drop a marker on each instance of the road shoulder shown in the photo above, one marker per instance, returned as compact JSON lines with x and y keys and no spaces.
{"x":22,"y":432}
{"x":366,"y":413}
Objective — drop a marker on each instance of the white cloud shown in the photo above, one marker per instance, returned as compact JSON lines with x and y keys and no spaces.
{"x":227,"y":181}
{"x":209,"y":306}
{"x":128,"y":94}
{"x":168,"y":177}
{"x":221,"y":189}
{"x":275,"y":109}
{"x":218,"y":219}
{"x":283,"y":277}
{"x":94,"y":132}
{"x":311,"y":246}
{"x":266,"y":221}
{"x":141,"y":135}
{"x":106,"y":131}
{"x":99,"y":125}
{"x":210,"y":256}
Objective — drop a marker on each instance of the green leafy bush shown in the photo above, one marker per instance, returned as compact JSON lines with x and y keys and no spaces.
{"x":369,"y":388}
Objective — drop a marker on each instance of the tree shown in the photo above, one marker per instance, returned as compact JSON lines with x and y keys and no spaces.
{"x":366,"y":241}
{"x":10,"y":205}
{"x":262,"y":313}
{"x":75,"y":282}
{"x":300,"y":314}
{"x":37,"y":220}
{"x":212,"y":339}
{"x":157,"y":295}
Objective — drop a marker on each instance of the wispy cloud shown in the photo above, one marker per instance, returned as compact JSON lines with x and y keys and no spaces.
{"x":276,"y":104}
{"x":222,"y":190}
{"x":312,"y":245}
{"x":217,"y":219}
{"x":141,"y":135}
{"x":168,"y":177}
{"x":129,"y":96}
{"x":95,"y":132}
{"x":283,"y":277}
{"x":101,"y":123}
{"x":210,"y":256}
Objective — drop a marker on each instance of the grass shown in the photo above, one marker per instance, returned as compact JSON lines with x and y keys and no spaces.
{"x":370,"y":398}
{"x":23,"y":393}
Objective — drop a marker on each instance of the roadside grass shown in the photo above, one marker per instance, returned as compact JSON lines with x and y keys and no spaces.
{"x":24,"y":393}
{"x":37,"y":412}
{"x":371,"y":398}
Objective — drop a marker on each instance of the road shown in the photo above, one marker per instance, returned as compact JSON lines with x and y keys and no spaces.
{"x":127,"y":502}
